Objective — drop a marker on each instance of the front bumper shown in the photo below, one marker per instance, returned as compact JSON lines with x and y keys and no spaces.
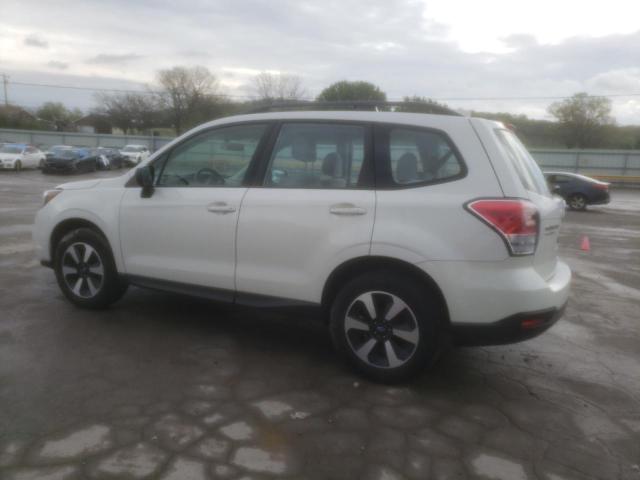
{"x":58,"y":167}
{"x":513,"y":329}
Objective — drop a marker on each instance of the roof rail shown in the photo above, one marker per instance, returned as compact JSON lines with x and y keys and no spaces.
{"x":410,"y":107}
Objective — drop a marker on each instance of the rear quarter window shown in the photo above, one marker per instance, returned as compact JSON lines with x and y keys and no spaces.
{"x":416,"y":157}
{"x":525,"y":166}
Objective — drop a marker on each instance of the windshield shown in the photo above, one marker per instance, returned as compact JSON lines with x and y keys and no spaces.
{"x":11,"y":149}
{"x":130,"y":148}
{"x":67,"y":154}
{"x":526,"y":167}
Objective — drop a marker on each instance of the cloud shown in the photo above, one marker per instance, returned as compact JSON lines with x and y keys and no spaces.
{"x":113,"y":59}
{"x":58,"y":65}
{"x":396,"y":45}
{"x":35,"y":41}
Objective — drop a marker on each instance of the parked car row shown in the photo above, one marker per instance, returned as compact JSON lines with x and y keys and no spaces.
{"x":70,"y":159}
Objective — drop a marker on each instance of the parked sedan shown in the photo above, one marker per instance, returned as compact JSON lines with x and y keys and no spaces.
{"x":55,"y":149}
{"x":106,"y":158}
{"x":578,"y":190}
{"x":73,"y":160}
{"x":16,"y":156}
{"x":134,"y":154}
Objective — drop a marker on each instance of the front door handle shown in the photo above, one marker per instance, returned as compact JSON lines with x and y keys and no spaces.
{"x":220,"y":207}
{"x":347,"y":209}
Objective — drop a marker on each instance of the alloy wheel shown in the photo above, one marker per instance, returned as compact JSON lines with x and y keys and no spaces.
{"x":381,"y":329}
{"x":82,"y":270}
{"x":578,"y":202}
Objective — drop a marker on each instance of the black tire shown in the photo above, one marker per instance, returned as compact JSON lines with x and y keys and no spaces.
{"x":108,"y":289}
{"x":18,"y":166}
{"x":422,"y":311}
{"x":577,"y":201}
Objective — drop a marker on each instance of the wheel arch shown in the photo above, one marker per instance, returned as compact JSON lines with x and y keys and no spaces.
{"x":358,"y":266}
{"x":70,"y":224}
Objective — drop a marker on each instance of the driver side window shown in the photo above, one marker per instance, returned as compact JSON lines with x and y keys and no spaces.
{"x":218,"y":158}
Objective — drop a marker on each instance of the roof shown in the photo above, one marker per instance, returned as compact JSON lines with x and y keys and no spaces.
{"x":419,"y":119}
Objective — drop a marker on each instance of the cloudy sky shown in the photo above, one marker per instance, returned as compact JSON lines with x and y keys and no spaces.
{"x":475,"y":55}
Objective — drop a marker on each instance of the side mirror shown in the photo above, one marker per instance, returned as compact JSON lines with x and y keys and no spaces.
{"x":144,"y":178}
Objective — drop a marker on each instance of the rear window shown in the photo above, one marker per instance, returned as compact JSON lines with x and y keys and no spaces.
{"x":525,"y":166}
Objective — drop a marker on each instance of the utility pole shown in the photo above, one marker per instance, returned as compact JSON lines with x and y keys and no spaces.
{"x":5,"y":82}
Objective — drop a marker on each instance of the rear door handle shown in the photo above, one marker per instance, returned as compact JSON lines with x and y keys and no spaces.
{"x":346,"y":209}
{"x":220,"y":207}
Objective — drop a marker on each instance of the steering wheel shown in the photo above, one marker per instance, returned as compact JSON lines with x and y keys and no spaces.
{"x":208,"y":176}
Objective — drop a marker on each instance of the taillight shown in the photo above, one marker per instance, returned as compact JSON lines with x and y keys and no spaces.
{"x":515,"y":220}
{"x":601,"y":186}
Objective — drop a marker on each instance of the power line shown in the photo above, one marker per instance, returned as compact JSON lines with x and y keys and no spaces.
{"x":249,"y":97}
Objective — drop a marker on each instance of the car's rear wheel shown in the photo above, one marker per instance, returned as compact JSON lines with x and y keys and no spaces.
{"x":18,"y":166}
{"x":386,"y":326}
{"x":86,"y":271}
{"x":577,"y":201}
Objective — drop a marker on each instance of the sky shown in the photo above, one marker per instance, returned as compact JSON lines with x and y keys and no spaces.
{"x":492,"y":55}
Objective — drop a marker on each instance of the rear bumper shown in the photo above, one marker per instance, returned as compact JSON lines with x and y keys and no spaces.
{"x":513,"y":329}
{"x":600,"y":199}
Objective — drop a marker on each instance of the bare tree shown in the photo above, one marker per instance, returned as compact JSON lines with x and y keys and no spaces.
{"x":184,"y":90}
{"x":129,"y":111}
{"x":269,"y":86}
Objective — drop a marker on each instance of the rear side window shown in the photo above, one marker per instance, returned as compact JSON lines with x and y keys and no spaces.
{"x":316,"y":155}
{"x":421,"y":156}
{"x":525,"y":166}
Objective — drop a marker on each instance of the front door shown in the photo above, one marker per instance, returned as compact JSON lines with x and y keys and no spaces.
{"x":185,"y":232}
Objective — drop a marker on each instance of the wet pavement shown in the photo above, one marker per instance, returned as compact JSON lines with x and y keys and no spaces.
{"x":163,"y":386}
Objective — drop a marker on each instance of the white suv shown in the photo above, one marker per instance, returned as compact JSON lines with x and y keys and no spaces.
{"x":409,"y":232}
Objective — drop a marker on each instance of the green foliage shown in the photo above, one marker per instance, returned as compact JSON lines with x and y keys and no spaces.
{"x":349,"y":91}
{"x":583,"y":119}
{"x":58,"y":115}
{"x":416,"y":104}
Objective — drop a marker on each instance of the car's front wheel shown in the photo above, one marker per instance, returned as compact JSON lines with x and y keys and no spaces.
{"x":86,"y":271}
{"x":386,"y":326}
{"x":18,"y":166}
{"x":577,"y":201}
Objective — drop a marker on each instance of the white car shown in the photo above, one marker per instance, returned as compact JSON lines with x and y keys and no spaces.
{"x":134,"y":154}
{"x":16,"y":156}
{"x":409,"y":232}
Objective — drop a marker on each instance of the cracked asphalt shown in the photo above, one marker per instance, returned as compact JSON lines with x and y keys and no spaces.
{"x":168,"y":387}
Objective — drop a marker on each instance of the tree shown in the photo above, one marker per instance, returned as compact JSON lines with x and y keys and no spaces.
{"x":416,"y":104}
{"x":58,"y":115}
{"x":583,"y":119}
{"x":269,"y":87}
{"x":183,"y":91}
{"x":348,"y":91}
{"x":130,"y":111}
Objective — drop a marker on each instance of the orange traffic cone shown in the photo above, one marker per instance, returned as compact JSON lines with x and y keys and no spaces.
{"x":585,"y":245}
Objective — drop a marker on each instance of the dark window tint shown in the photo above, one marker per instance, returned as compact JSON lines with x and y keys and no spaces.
{"x":421,"y":156}
{"x":309,"y":155}
{"x":216,"y":158}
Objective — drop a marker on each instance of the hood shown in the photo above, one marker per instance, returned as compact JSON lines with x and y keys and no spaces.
{"x":81,"y":185}
{"x":9,"y":156}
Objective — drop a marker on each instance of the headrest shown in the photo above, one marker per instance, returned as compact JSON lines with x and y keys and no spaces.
{"x":407,"y":168}
{"x":304,"y":150}
{"x":332,"y":165}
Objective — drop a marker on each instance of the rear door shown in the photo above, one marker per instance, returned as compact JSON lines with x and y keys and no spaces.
{"x":313,"y":209}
